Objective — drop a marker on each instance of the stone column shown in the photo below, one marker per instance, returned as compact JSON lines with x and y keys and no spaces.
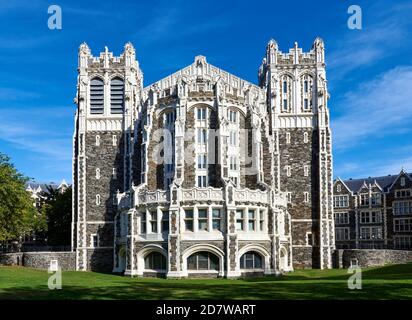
{"x":174,"y":265}
{"x":232,"y":270}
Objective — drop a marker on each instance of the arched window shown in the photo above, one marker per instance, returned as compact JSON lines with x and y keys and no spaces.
{"x":98,"y":199}
{"x":203,"y":261}
{"x":251,"y":260}
{"x":116,"y":96}
{"x":97,"y":173}
{"x":306,"y":92}
{"x":97,"y":140}
{"x":286,"y":93}
{"x":96,"y":96}
{"x":155,"y":261}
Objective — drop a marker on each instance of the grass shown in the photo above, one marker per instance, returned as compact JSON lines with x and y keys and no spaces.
{"x":388,"y":282}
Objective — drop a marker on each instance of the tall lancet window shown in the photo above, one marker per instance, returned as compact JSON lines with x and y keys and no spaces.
{"x":116,"y":96}
{"x":306,"y":92}
{"x":286,"y":93}
{"x":96,"y":96}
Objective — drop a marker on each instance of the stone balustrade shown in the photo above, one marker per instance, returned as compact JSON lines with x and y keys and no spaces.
{"x":148,"y":197}
{"x":199,"y":194}
{"x":248,"y":195}
{"x":210,"y":193}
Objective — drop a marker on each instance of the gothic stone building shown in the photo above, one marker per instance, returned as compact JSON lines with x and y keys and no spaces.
{"x":374,"y":213}
{"x":202,"y":173}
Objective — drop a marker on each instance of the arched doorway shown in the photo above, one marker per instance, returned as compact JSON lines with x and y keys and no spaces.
{"x":283,"y":260}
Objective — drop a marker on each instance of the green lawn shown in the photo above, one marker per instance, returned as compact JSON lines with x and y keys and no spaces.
{"x":389,"y":282}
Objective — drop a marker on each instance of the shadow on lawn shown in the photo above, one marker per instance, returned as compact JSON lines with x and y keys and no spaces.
{"x":317,"y":285}
{"x":389,"y":272}
{"x":176,"y":290}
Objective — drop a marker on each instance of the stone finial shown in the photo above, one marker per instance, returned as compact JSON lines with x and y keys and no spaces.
{"x":271,"y":50}
{"x":128,"y":47}
{"x":295,"y":53}
{"x":84,"y":48}
{"x":200,"y":59}
{"x":272,"y":44}
{"x":130,"y":55}
{"x":84,"y":53}
{"x":319,"y":48}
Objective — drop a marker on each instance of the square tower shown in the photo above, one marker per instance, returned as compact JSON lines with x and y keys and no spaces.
{"x":107,"y":87}
{"x":297,"y":97}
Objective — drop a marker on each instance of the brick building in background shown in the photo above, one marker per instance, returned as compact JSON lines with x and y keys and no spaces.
{"x":374,"y":213}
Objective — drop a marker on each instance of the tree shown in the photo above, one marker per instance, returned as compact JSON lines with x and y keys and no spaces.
{"x":17,"y":213}
{"x":57,"y":209}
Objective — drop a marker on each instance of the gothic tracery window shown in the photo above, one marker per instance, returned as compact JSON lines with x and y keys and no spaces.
{"x":306,"y":82}
{"x":286,"y":93}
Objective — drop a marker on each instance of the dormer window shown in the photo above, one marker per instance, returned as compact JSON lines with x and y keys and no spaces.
{"x":403,"y":182}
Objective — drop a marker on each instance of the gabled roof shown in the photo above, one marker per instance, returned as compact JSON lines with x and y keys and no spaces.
{"x":43,"y":187}
{"x":384,"y":182}
{"x":204,"y":69}
{"x":343,"y":182}
{"x":398,"y":176}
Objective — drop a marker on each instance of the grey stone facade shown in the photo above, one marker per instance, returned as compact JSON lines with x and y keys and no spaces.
{"x":248,"y":187}
{"x":39,"y":260}
{"x":345,"y":258}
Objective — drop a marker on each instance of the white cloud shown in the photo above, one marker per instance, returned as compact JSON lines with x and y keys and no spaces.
{"x":380,"y":104}
{"x":38,"y":135}
{"x":375,"y":168}
{"x":380,"y":38}
{"x":173,"y":21}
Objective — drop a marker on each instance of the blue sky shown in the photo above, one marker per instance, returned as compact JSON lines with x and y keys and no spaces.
{"x":369,"y":70}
